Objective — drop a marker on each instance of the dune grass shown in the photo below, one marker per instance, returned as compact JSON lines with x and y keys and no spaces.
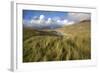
{"x":39,"y":47}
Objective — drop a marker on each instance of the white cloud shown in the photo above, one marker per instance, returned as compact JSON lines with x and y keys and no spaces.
{"x":33,"y":21}
{"x":49,"y":20}
{"x":71,"y":22}
{"x":65,"y":21}
{"x":56,"y":18}
{"x":35,"y":17}
{"x":41,"y":21}
{"x":79,"y":16}
{"x":41,"y":17}
{"x":58,"y":21}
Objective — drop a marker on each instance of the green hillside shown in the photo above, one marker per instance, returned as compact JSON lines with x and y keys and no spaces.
{"x":71,"y":42}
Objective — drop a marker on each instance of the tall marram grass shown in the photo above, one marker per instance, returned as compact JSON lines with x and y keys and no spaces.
{"x":38,"y":48}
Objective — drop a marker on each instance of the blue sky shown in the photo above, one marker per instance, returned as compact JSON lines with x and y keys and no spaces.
{"x":29,"y":14}
{"x":37,"y":18}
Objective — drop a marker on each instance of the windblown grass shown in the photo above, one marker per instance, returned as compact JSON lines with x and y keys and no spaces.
{"x":47,"y":47}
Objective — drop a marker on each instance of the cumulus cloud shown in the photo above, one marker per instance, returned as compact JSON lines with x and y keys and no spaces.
{"x":77,"y":17}
{"x":42,"y":17}
{"x":49,"y":21}
{"x":41,"y":21}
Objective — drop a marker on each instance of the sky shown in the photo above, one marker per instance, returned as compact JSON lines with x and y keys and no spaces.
{"x":37,"y":18}
{"x":29,"y":14}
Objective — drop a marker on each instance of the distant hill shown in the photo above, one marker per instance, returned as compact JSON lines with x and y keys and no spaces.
{"x":75,"y":29}
{"x":79,"y":28}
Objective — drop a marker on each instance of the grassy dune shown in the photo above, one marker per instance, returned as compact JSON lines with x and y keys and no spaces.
{"x":46,"y":46}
